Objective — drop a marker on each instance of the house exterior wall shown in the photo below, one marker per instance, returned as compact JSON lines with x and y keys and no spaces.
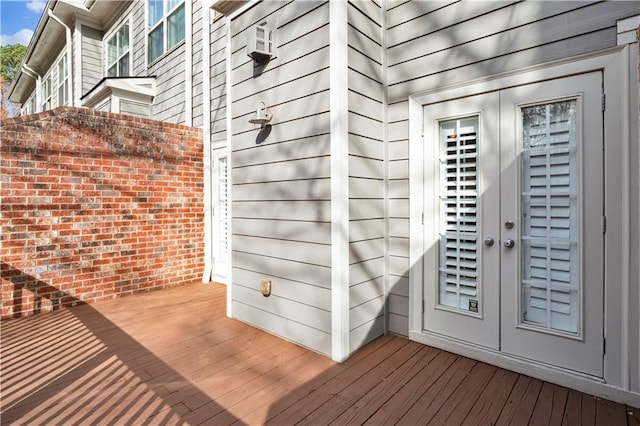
{"x":433,"y":45}
{"x":366,"y":173}
{"x":92,"y":67}
{"x":95,"y":206}
{"x":281,"y":180}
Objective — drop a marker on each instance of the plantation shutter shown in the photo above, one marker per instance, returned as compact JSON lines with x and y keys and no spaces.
{"x":223,"y":209}
{"x":458,"y":267}
{"x":550,"y":216}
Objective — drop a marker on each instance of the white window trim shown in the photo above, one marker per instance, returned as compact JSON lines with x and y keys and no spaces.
{"x":105,"y":45}
{"x":149,"y":29}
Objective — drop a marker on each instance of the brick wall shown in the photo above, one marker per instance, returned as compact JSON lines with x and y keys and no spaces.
{"x":95,"y":206}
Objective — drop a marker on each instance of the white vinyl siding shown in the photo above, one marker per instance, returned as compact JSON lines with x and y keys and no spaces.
{"x":281,"y":197}
{"x":92,"y":61}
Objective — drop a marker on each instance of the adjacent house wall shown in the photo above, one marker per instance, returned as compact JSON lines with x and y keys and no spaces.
{"x":281,"y":175}
{"x":432,"y":45}
{"x":92,"y":68}
{"x":95,"y":206}
{"x":366,"y":173}
{"x":196,"y":64}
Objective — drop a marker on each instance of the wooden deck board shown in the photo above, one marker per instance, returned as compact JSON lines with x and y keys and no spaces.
{"x":172,"y":357}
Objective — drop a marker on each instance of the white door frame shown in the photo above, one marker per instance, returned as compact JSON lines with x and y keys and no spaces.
{"x":615,"y":66}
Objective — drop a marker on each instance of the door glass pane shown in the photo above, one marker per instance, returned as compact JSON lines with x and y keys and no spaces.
{"x":550,"y":216}
{"x":458,"y":268}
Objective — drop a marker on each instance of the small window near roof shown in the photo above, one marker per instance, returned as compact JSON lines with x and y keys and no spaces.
{"x":166,"y":26}
{"x":118,"y":53}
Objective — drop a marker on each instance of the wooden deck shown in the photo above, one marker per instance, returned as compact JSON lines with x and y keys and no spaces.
{"x":172,"y":357}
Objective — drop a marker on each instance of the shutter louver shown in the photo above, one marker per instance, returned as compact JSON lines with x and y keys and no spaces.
{"x":458,"y":213}
{"x":223,"y":209}
{"x":550,"y":216}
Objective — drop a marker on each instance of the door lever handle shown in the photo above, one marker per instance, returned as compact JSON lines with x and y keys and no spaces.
{"x":509,"y":243}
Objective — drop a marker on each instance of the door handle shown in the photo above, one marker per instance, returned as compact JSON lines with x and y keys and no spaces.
{"x":488,"y":241}
{"x":509,"y":243}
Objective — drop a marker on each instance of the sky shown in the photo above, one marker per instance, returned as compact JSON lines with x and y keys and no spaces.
{"x":18,"y":19}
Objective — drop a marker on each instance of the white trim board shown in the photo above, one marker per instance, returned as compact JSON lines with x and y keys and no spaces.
{"x":615,"y":65}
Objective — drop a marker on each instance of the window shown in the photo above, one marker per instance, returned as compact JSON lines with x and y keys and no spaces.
{"x":118,"y":53}
{"x":63,"y":81}
{"x":46,"y":94}
{"x":166,"y":26}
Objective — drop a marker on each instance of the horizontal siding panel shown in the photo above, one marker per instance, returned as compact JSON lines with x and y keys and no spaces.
{"x":590,"y":42}
{"x":283,"y":112}
{"x":361,"y":251}
{"x":360,"y":336}
{"x":398,"y":324}
{"x":399,"y":227}
{"x":294,"y":311}
{"x":366,"y":271}
{"x":366,"y":229}
{"x":312,"y":232}
{"x":316,"y":146}
{"x":399,"y":304}
{"x":308,"y":168}
{"x":401,"y":11}
{"x":283,"y":12}
{"x":399,"y":286}
{"x":363,"y":292}
{"x":399,"y":246}
{"x":366,"y":167}
{"x":399,"y":169}
{"x":361,"y":84}
{"x":398,"y":111}
{"x":499,"y":20}
{"x":398,"y":150}
{"x":306,"y":336}
{"x":366,"y":209}
{"x":319,"y":211}
{"x":435,"y":18}
{"x":399,"y":266}
{"x":305,"y":294}
{"x":363,"y":23}
{"x":298,"y":129}
{"x":399,"y":188}
{"x":316,"y":189}
{"x":365,"y":126}
{"x":366,"y":106}
{"x":364,"y":44}
{"x":398,"y":130}
{"x":309,"y":64}
{"x":315,"y":275}
{"x":365,"y":65}
{"x":399,"y":208}
{"x":366,"y":188}
{"x":315,"y":254}
{"x":366,"y":312}
{"x":365,"y":147}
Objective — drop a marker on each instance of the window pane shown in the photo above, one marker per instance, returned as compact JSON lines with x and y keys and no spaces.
{"x":62,"y":94}
{"x":123,"y":39}
{"x":155,"y":12}
{"x":112,"y":51}
{"x":124,"y":66}
{"x":176,"y":27}
{"x":155,"y":43}
{"x":172,"y":3}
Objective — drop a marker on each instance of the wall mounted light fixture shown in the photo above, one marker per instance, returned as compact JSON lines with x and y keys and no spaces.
{"x":262,"y":116}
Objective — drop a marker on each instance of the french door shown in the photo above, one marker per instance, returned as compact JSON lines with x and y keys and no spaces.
{"x":513,"y":239}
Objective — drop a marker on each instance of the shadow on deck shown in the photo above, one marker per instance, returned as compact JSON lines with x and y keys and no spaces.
{"x":172,"y":357}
